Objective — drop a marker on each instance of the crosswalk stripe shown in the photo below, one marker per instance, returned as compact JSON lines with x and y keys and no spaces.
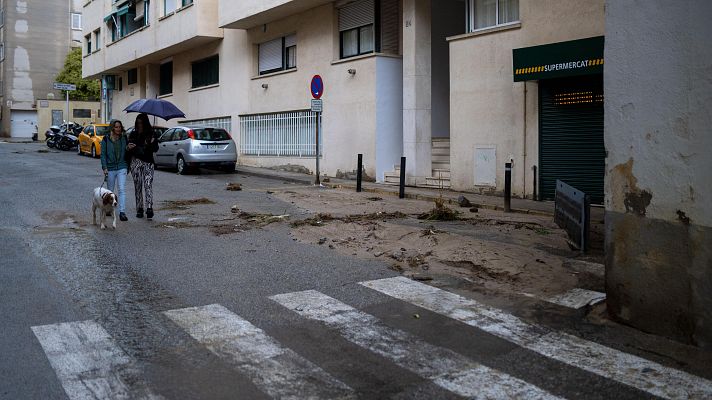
{"x":609,"y":363}
{"x":278,"y":371}
{"x":443,"y":367}
{"x":89,"y":364}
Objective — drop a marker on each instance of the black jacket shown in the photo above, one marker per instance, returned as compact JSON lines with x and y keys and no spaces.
{"x":144,"y":148}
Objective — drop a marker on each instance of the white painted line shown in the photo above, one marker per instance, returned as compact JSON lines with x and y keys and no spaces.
{"x":443,"y":367}
{"x":279,"y":372}
{"x":89,"y":364}
{"x":577,"y":298}
{"x":609,"y":363}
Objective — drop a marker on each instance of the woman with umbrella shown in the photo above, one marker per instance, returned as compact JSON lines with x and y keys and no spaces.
{"x":142,"y":145}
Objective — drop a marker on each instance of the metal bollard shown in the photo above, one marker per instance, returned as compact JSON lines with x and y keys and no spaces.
{"x":507,"y":187}
{"x":401,"y":192}
{"x":359,"y":173}
{"x":536,"y":198}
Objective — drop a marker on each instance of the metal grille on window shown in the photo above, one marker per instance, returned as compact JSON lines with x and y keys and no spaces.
{"x":281,"y":134}
{"x":270,"y":56}
{"x":222,"y":123}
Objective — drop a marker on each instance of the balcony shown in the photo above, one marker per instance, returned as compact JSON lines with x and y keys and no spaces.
{"x":247,"y":14}
{"x":154,"y":37}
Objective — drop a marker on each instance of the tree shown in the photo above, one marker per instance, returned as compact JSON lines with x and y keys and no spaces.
{"x":87,"y":89}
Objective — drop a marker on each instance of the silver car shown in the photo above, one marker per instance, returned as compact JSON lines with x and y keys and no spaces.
{"x":187,"y":148}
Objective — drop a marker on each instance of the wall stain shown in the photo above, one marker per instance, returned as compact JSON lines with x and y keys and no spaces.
{"x":625,"y":191}
{"x":683,"y":217}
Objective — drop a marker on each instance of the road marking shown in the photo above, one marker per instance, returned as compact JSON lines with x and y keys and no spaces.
{"x":609,"y":363}
{"x":443,"y":367}
{"x":278,"y":371}
{"x":577,"y":298}
{"x":89,"y":364}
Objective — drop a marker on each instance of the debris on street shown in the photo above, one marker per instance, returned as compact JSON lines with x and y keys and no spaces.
{"x":232,"y":186}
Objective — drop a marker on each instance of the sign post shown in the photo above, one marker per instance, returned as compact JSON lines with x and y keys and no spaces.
{"x":317,"y":106}
{"x":67,"y":88}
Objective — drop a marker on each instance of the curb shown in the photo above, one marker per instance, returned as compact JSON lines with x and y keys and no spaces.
{"x":305,"y":181}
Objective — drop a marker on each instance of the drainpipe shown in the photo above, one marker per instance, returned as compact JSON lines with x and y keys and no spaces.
{"x":524,"y":163}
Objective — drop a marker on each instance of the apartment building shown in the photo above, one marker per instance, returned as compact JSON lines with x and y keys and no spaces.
{"x":35,"y":38}
{"x":458,"y":87}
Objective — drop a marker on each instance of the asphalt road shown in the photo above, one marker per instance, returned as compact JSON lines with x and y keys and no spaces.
{"x":121,"y":313}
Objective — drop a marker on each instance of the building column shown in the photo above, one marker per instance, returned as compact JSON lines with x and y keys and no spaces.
{"x":417,"y":90}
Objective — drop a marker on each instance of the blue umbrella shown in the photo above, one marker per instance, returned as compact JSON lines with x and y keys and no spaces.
{"x":157,"y":107}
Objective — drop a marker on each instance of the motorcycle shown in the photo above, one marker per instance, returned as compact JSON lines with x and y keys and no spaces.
{"x":68,"y":136}
{"x":51,"y":136}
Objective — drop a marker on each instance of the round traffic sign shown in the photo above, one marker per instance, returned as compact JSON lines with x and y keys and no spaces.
{"x":317,"y":87}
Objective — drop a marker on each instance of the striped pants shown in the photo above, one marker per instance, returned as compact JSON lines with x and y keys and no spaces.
{"x":142,"y":173}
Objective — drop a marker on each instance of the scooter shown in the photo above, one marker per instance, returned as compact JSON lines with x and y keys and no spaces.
{"x":51,"y":136}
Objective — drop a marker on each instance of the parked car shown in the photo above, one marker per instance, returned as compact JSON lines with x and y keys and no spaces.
{"x":90,"y":139}
{"x":187,"y":148}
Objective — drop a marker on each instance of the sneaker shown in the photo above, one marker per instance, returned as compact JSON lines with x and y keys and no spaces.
{"x":122,"y":216}
{"x":149,"y":213}
{"x":139,"y":213}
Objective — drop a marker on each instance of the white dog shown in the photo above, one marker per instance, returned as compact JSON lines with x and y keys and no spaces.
{"x":105,"y":202}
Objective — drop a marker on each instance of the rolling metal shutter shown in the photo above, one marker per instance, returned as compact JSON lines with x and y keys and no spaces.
{"x":356,"y":14}
{"x":390,"y":27}
{"x":270,"y":55}
{"x":571,"y":144}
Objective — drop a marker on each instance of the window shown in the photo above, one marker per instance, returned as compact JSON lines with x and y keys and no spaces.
{"x":206,"y":72}
{"x":186,"y":2}
{"x":132,"y":77}
{"x":169,"y":6}
{"x":487,"y":13}
{"x":87,"y":38}
{"x":357,"y":28}
{"x":121,"y":84}
{"x":166,"y":78}
{"x":81,"y":113}
{"x":97,"y":39}
{"x":76,"y":22}
{"x":277,"y":55}
{"x":2,"y":51}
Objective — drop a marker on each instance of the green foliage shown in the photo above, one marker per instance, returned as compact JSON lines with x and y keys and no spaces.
{"x":87,"y":89}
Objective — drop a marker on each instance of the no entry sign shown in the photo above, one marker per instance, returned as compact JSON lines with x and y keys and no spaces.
{"x":317,"y":87}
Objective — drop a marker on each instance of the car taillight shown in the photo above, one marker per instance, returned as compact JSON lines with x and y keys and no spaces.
{"x":191,"y":134}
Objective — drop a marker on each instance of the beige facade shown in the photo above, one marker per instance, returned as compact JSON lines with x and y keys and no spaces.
{"x":488,"y":109}
{"x":52,"y":112}
{"x":436,"y":84}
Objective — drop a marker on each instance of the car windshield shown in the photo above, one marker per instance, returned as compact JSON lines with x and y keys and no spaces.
{"x":213,"y":134}
{"x":102,"y":130}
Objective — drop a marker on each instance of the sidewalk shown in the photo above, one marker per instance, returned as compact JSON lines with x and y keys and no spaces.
{"x":477,"y":200}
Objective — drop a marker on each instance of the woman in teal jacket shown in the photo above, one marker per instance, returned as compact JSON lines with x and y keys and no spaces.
{"x":115,"y":162}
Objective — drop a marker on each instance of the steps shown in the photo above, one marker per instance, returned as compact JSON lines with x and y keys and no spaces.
{"x":440,"y":174}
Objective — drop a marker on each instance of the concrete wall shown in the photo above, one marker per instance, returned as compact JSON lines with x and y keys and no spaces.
{"x":658,"y":136}
{"x":487,"y":107}
{"x":37,"y":39}
{"x":44,"y":114}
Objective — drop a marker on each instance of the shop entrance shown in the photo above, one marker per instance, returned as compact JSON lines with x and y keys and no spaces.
{"x":571,"y":144}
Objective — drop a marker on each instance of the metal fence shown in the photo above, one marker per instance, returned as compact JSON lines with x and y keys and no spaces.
{"x":223,"y":122}
{"x":283,"y":134}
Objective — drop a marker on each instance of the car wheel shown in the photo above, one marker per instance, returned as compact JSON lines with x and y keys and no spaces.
{"x":79,"y":149}
{"x":230,"y":168}
{"x":93,"y":151}
{"x":180,"y":166}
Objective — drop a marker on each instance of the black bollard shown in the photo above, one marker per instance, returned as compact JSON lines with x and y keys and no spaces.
{"x":401,"y":192}
{"x":359,"y":173}
{"x":536,"y":198}
{"x":507,"y":187}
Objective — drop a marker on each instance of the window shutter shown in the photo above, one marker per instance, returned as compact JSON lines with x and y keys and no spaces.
{"x":139,"y":10}
{"x":270,"y":55}
{"x":290,"y":41}
{"x":356,"y":14}
{"x":390,"y":26}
